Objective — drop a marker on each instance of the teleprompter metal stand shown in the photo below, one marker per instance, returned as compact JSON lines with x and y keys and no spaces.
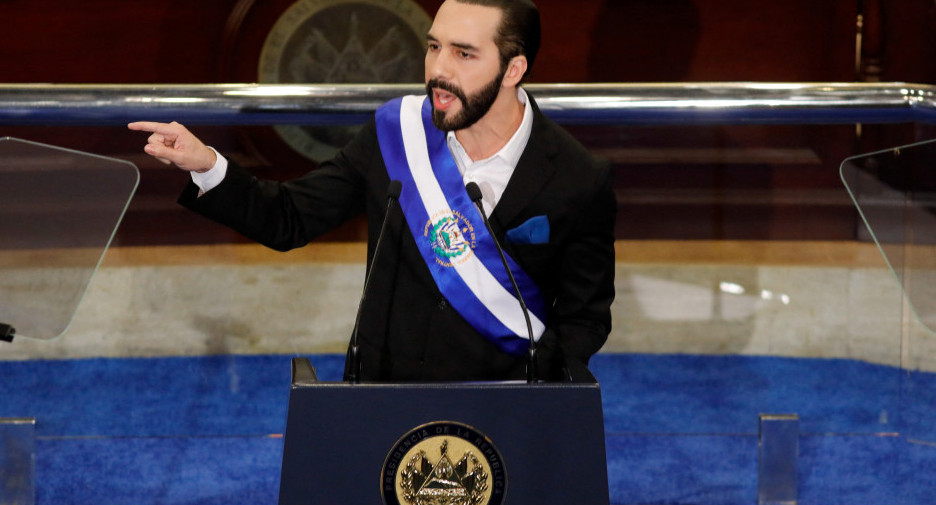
{"x":17,"y":461}
{"x":778,"y":459}
{"x":493,"y":442}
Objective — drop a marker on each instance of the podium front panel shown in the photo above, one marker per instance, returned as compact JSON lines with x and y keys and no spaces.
{"x":340,"y":439}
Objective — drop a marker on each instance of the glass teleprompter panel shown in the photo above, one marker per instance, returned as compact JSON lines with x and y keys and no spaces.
{"x":59,"y":210}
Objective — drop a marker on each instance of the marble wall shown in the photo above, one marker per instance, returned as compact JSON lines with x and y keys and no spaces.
{"x":828,"y":300}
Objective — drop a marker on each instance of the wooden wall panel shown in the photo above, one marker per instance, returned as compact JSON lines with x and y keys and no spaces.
{"x":586,"y":40}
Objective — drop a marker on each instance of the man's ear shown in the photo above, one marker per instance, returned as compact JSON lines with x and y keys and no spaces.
{"x":516,"y":69}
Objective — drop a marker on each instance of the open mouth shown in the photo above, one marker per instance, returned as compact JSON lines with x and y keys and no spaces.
{"x":442,"y":99}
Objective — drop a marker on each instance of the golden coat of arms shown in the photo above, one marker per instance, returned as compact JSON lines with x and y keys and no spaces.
{"x":444,"y":463}
{"x":442,"y":482}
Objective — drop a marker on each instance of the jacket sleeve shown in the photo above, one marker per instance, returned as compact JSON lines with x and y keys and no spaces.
{"x":286,"y":215}
{"x":585,"y":289}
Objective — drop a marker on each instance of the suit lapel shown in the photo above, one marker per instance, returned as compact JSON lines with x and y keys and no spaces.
{"x":533,"y":171}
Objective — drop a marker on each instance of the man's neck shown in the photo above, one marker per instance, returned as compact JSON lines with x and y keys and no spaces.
{"x":492,"y":132}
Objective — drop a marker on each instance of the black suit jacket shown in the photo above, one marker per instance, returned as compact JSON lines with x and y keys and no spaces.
{"x":408,"y":331}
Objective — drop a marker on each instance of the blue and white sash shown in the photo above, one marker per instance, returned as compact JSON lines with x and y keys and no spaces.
{"x":449,"y":230}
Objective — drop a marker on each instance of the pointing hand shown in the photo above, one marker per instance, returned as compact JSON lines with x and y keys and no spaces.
{"x":173,"y":143}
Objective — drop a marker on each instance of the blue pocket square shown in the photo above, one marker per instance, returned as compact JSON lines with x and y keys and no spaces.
{"x":534,"y":231}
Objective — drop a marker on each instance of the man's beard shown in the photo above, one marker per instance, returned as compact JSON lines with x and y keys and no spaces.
{"x":473,"y":108}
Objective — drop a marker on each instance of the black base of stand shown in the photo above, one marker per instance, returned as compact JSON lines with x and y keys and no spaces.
{"x":6,"y":332}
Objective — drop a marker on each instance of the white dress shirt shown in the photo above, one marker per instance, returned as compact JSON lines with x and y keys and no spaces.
{"x":491,"y":174}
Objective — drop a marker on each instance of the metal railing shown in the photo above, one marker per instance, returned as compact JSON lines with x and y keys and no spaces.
{"x":599,"y":104}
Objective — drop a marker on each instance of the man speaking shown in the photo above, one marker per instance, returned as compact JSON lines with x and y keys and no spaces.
{"x":440,"y":303}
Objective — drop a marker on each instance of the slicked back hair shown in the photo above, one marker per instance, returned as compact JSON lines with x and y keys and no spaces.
{"x":519,"y":31}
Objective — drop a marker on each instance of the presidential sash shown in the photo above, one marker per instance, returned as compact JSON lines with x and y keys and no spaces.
{"x":449,"y":231}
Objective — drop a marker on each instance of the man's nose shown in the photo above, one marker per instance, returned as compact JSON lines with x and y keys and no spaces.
{"x":439,"y":65}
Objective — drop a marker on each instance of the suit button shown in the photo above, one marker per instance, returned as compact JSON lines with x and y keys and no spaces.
{"x":443,"y":304}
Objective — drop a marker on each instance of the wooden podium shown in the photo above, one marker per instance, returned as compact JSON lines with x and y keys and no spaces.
{"x":444,"y":443}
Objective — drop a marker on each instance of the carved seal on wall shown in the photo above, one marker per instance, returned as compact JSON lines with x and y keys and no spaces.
{"x":342,"y":41}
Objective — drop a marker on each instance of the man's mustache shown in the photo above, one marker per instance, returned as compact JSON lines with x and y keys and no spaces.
{"x":447,"y":87}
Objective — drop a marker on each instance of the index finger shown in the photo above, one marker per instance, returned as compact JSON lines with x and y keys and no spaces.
{"x":151,"y":126}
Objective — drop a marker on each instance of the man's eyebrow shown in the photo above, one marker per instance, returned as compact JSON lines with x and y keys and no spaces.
{"x":460,"y":45}
{"x":464,"y":46}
